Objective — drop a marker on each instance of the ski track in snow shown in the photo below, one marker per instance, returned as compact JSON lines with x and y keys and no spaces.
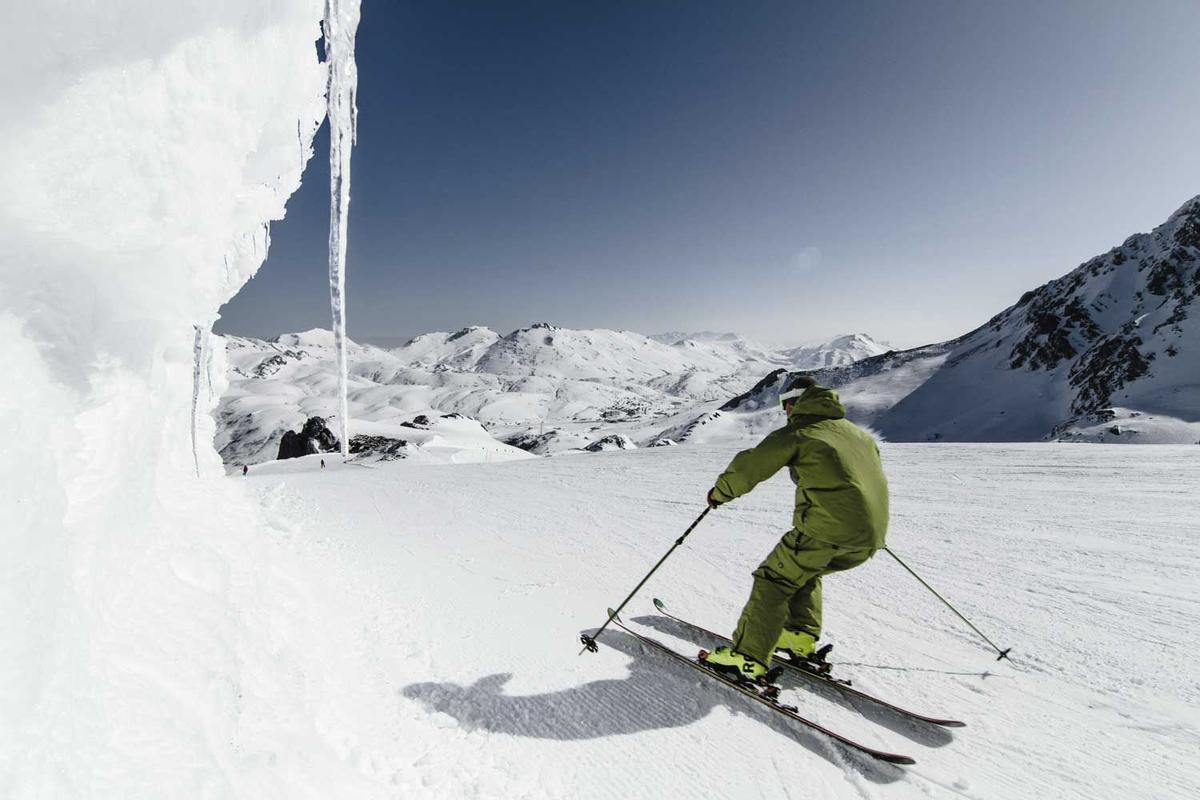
{"x":453,"y":598}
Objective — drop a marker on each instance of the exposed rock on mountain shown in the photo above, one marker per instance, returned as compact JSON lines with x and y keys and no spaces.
{"x":384,"y":448}
{"x":614,"y":441}
{"x":314,"y":437}
{"x":1119,"y":330}
{"x":1117,"y":335}
{"x":549,"y":442}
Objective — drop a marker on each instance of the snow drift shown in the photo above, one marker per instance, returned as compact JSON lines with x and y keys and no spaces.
{"x":151,"y":648}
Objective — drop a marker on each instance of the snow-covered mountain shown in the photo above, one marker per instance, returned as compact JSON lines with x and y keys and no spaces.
{"x":1108,"y":352}
{"x":542,"y":388}
{"x":838,"y":352}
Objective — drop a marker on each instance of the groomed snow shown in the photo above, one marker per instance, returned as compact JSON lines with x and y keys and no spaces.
{"x":451,"y":599}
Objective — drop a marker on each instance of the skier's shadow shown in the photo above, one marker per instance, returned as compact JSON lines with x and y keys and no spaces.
{"x":646,"y":700}
{"x":921,"y":732}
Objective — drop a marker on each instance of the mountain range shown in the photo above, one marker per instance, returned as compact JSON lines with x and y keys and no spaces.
{"x":1109,"y":352}
{"x":542,"y":388}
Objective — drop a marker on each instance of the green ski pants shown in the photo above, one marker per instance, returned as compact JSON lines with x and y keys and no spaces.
{"x":787,"y":591}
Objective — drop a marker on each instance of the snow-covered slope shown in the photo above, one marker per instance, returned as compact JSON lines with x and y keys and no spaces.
{"x":544,"y":388}
{"x":1118,"y":338}
{"x":461,"y":349}
{"x":454,"y":635}
{"x":1120,"y":330}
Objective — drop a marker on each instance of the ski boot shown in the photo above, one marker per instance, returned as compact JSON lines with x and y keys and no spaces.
{"x":730,"y":664}
{"x":795,"y":646}
{"x":799,"y":648}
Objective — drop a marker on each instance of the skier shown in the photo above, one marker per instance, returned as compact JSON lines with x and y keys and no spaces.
{"x":322,"y":463}
{"x":245,"y":469}
{"x":840,"y":521}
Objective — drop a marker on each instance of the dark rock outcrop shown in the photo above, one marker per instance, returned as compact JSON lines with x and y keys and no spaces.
{"x":531,"y":442}
{"x":314,"y":437}
{"x":615,"y":441}
{"x":385,"y":448}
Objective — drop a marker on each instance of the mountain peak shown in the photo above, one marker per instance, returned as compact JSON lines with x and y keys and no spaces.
{"x":1119,"y":331}
{"x":467,"y":331}
{"x":839,"y":351}
{"x":1189,"y":209}
{"x":674,"y":337}
{"x":313,"y":337}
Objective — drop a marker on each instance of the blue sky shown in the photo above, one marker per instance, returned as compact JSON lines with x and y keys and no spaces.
{"x":788,"y":170}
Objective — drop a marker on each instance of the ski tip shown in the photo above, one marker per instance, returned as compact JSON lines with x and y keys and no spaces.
{"x":951,"y":723}
{"x":903,"y":761}
{"x":659,"y":604}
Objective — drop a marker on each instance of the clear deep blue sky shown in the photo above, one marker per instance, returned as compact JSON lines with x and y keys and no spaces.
{"x":788,"y":170}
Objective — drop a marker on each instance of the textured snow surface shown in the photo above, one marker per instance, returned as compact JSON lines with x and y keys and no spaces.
{"x":155,"y":644}
{"x":452,"y":598}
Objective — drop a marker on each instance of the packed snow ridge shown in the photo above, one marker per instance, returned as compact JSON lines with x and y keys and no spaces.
{"x":540,"y":389}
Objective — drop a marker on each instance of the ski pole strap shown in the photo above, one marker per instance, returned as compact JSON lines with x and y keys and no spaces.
{"x":589,"y":642}
{"x":1003,"y":653}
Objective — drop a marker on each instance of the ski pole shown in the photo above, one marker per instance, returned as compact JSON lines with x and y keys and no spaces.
{"x":589,"y":642}
{"x":1003,"y":653}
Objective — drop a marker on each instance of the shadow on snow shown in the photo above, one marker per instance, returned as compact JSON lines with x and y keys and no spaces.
{"x":648,"y":699}
{"x":920,"y":732}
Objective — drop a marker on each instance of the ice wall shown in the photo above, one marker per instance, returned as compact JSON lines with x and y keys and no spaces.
{"x":153,"y":644}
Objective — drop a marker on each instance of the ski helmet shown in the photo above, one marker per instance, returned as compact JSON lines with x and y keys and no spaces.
{"x":794,"y":386}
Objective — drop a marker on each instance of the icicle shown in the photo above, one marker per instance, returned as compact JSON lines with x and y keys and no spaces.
{"x":199,"y":366}
{"x":341,"y":24}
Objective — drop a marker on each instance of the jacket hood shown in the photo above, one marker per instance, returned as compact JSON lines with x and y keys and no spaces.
{"x":817,"y":401}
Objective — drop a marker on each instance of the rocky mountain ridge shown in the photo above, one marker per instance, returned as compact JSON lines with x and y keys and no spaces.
{"x":1108,"y":352}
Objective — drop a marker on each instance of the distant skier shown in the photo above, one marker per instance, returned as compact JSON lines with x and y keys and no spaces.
{"x":245,"y":469}
{"x":322,"y":463}
{"x":840,"y":521}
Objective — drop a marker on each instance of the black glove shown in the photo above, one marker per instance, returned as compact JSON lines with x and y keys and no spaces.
{"x":713,"y":502}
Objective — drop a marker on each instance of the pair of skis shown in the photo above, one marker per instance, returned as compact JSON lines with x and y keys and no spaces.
{"x":768,"y":694}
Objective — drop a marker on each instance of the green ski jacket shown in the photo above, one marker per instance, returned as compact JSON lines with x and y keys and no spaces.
{"x":841,"y":491}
